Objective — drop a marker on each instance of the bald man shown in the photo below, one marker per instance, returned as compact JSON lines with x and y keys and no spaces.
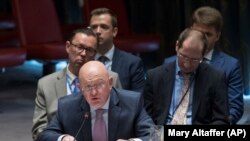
{"x":186,"y":90}
{"x":123,"y":113}
{"x":81,"y":48}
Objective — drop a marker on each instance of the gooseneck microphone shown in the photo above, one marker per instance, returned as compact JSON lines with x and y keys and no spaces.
{"x":86,"y":116}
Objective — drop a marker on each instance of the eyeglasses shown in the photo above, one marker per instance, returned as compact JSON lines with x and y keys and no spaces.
{"x":80,"y":48}
{"x":185,"y":58}
{"x":99,"y":86}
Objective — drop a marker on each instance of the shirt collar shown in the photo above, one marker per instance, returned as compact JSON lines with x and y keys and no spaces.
{"x":70,"y":75}
{"x":208,"y":56}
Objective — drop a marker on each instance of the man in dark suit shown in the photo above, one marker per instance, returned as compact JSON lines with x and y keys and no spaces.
{"x":207,"y":103}
{"x":81,"y":48}
{"x":209,"y":21}
{"x":124,"y":116}
{"x":129,"y":67}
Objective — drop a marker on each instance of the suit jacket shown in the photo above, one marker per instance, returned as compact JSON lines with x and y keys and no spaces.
{"x":50,"y":89}
{"x":130,"y":69}
{"x":210,"y":104}
{"x":232,"y":69}
{"x":127,"y":118}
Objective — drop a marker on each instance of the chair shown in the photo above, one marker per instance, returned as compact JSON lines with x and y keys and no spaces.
{"x":39,"y":31}
{"x":124,"y":40}
{"x":11,"y":56}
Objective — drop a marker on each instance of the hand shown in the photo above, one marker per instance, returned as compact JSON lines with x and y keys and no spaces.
{"x":68,"y":138}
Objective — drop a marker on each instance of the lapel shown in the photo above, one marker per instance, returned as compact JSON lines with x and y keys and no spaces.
{"x":116,"y":59}
{"x":200,"y":83}
{"x":167,"y":90}
{"x":114,"y":115}
{"x":86,"y":131}
{"x":61,"y":84}
{"x":217,"y":59}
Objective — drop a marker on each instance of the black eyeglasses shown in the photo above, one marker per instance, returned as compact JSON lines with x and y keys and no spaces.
{"x":80,"y":48}
{"x":185,"y":58}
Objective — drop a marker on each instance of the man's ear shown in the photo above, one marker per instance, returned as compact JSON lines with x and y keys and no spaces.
{"x":115,"y":31}
{"x":67,"y":46}
{"x":110,"y":82}
{"x":218,"y":36}
{"x":177,"y":46}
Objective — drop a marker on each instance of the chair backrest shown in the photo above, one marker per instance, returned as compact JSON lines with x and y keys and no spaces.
{"x":37,"y":21}
{"x":118,"y":6}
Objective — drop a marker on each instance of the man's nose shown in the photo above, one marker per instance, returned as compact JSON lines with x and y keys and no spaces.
{"x":83,"y":52}
{"x":98,"y":30}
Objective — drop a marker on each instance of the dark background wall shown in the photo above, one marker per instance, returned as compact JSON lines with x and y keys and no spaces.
{"x":168,"y":18}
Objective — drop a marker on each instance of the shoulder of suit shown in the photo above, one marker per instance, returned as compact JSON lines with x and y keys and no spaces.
{"x":169,"y":59}
{"x":227,"y":57}
{"x":160,"y":68}
{"x":126,"y":93}
{"x":70,"y":98}
{"x":210,"y":69}
{"x":127,"y":54}
{"x":56,"y":75}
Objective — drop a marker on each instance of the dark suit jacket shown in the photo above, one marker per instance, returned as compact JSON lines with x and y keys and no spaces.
{"x":50,"y":88}
{"x":127,"y":118}
{"x":130,"y":69}
{"x":210,"y":104}
{"x":232,"y":69}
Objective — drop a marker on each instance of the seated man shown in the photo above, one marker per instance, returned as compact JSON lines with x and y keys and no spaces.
{"x":186,"y":90}
{"x":81,"y":48}
{"x":101,"y":113}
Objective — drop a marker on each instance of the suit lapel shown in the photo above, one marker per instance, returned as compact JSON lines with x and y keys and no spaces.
{"x":114,"y":115}
{"x":217,"y":59}
{"x":166,"y":94}
{"x":115,"y":60}
{"x":61,"y":84}
{"x":200,"y":82}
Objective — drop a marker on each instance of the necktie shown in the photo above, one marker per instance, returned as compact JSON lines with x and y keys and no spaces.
{"x":103,"y":59}
{"x":76,"y":89}
{"x":99,"y":131}
{"x":180,"y":114}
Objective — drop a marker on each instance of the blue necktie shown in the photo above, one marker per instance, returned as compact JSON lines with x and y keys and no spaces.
{"x":76,"y":83}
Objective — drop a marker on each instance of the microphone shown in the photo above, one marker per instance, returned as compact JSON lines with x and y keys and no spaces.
{"x":86,"y":116}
